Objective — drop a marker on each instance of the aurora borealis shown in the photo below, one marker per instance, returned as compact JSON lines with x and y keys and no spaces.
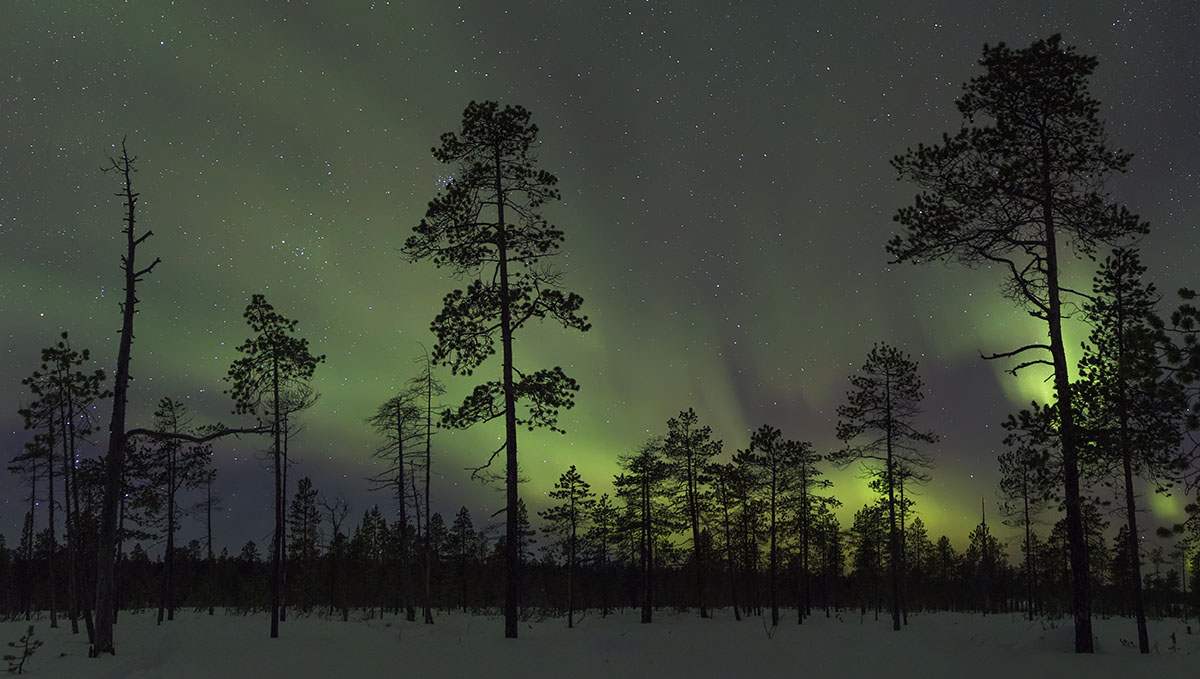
{"x":726,"y":199}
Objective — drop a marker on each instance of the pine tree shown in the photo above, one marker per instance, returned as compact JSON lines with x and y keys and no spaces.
{"x":367,"y":551}
{"x":600,"y":537}
{"x":294,"y":398}
{"x":305,"y":534}
{"x":918,"y":555}
{"x":274,"y":362}
{"x":1131,"y":413}
{"x":640,"y":486}
{"x":465,"y":551}
{"x":724,"y":482}
{"x":169,"y":467}
{"x":867,"y":538}
{"x":424,"y":388}
{"x":487,"y":224}
{"x":745,"y":488}
{"x":399,"y":421}
{"x":1009,"y":195}
{"x":775,"y":461}
{"x":336,"y":511}
{"x":564,"y":521}
{"x":828,"y":543}
{"x":211,"y":502}
{"x":945,"y":567}
{"x":808,"y":501}
{"x":64,"y":398}
{"x":980,"y":560}
{"x":877,"y":424}
{"x":27,"y":464}
{"x":688,"y":449}
{"x":1027,"y":484}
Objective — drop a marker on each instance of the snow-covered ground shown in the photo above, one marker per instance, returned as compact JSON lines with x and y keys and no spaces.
{"x":931,"y":647}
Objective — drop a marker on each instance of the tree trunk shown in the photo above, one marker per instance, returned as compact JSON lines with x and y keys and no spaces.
{"x":70,"y":528}
{"x":512,"y":556}
{"x":647,"y":554}
{"x":212,"y":564}
{"x":168,"y":587}
{"x":286,"y":432}
{"x":802,"y":600}
{"x":604,"y":574}
{"x":1030,"y":575}
{"x":1081,"y":606}
{"x":729,"y":563}
{"x":427,"y":601}
{"x":694,"y":519}
{"x":571,"y":570}
{"x":115,"y":459}
{"x":412,"y":480}
{"x":30,"y":522}
{"x":277,"y":535}
{"x":50,"y":508}
{"x":402,"y":590}
{"x":903,"y":558}
{"x":1135,"y":566}
{"x":893,"y":536}
{"x":774,"y":559}
{"x":80,"y":602}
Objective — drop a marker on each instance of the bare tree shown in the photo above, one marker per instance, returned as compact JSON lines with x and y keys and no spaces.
{"x":115,"y":458}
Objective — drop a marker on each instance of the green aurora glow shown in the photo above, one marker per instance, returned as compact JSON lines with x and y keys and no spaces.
{"x":726,"y":200}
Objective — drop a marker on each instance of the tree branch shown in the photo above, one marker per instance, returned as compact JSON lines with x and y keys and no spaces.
{"x":148,"y":269}
{"x":1014,"y":352}
{"x":1013,"y":371}
{"x":475,"y":471}
{"x":162,"y":435}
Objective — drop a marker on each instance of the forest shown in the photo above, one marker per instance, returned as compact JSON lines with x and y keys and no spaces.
{"x":694,"y":525}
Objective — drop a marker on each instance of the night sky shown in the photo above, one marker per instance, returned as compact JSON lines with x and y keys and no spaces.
{"x":726,"y":200}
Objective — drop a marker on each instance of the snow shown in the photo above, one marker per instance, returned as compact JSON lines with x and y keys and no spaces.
{"x":933,"y":646}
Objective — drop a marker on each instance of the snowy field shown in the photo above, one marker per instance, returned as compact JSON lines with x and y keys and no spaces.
{"x":931,"y":647}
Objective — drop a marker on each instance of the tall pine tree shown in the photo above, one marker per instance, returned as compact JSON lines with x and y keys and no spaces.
{"x":1022,"y":180}
{"x":487,"y":224}
{"x":1132,"y":414}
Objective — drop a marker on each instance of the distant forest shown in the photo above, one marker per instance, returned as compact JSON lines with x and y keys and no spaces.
{"x":743,"y":528}
{"x":343,"y":565}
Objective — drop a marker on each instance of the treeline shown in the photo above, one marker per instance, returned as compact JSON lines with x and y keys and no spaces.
{"x":690,"y":525}
{"x":345,"y":569}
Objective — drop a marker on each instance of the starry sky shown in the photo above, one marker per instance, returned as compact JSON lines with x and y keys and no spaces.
{"x":726,"y":200}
